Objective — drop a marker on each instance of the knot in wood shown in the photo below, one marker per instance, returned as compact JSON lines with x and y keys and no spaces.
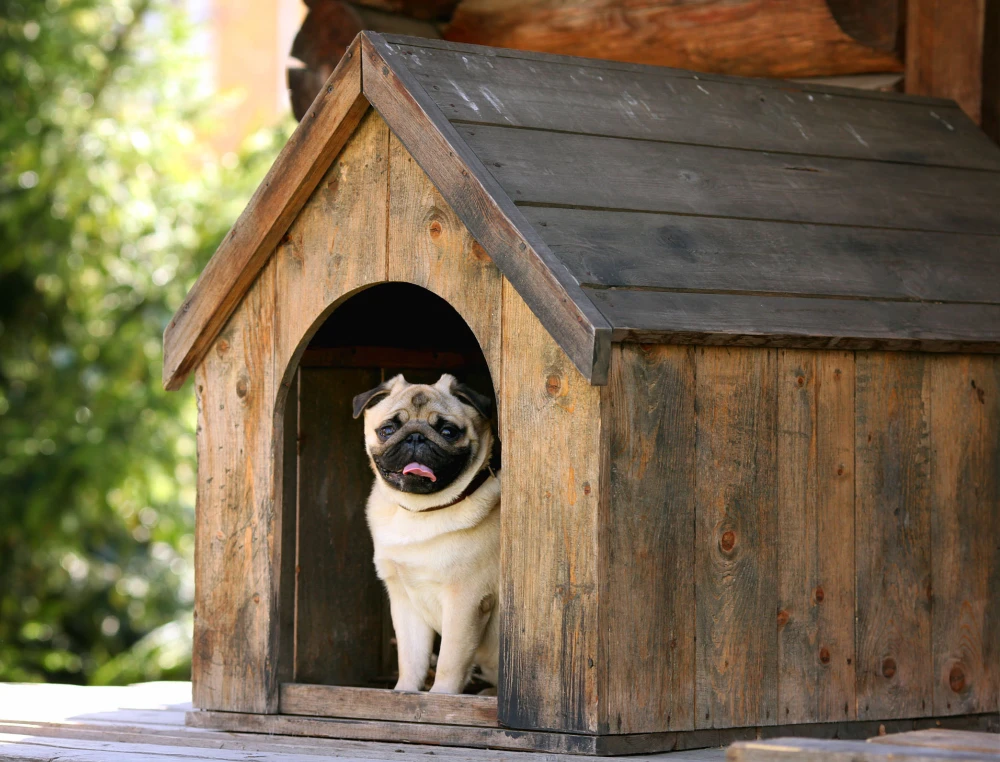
{"x":552,"y":385}
{"x":820,"y":595}
{"x":956,"y":678}
{"x":435,"y":230}
{"x":242,"y":387}
{"x":824,"y":655}
{"x":728,"y":541}
{"x":783,"y":617}
{"x":889,"y":668}
{"x":586,"y":488}
{"x":221,"y":347}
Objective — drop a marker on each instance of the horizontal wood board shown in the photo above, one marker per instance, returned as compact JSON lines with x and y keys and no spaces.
{"x":444,"y":736}
{"x":683,"y":107}
{"x":680,"y":317}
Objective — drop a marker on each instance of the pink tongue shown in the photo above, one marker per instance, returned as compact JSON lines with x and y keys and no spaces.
{"x":419,"y":470}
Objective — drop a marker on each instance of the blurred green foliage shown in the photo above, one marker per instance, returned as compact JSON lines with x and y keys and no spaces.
{"x":111,"y":201}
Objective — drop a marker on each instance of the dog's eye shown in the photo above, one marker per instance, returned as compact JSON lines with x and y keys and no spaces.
{"x":386,"y":431}
{"x":450,"y":432}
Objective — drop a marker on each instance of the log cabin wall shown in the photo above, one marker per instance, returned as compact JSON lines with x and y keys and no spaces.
{"x":799,"y":536}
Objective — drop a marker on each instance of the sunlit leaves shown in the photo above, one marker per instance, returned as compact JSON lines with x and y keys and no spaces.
{"x":111,"y":200}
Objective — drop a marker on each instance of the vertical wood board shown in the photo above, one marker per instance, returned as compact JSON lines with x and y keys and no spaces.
{"x":815,"y":515}
{"x":339,"y":597}
{"x":236,"y":548}
{"x":893,"y":542}
{"x":736,"y":537}
{"x":647,"y":589}
{"x":965,"y":527}
{"x":552,"y":484}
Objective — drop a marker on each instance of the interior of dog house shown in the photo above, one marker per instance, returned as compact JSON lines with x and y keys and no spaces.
{"x":742,"y":336}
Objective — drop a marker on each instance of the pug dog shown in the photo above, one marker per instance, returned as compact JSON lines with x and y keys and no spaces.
{"x":434,"y":517}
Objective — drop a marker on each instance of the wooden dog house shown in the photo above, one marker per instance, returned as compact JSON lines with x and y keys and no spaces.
{"x":742,"y":338}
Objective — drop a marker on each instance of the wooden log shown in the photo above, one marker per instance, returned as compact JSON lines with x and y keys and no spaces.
{"x":991,"y":70}
{"x":893,"y":537}
{"x":736,"y":538}
{"x":765,"y":38}
{"x":944,"y":51}
{"x":648,"y":593}
{"x":325,"y":35}
{"x":815,"y":536}
{"x":965,"y":525}
{"x":878,"y":23}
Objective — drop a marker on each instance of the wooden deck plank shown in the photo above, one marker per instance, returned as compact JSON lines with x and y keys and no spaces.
{"x":813,"y":750}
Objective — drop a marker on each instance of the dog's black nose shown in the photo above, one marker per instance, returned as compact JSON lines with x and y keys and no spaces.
{"x":416,"y":438}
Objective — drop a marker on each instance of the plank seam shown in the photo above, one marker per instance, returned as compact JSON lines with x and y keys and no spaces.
{"x":850,"y":225}
{"x":780,"y":294}
{"x":771,"y":152}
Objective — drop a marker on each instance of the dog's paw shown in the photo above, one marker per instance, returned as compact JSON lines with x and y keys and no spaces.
{"x":491,"y":691}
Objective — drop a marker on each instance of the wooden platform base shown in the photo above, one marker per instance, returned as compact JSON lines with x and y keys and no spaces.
{"x":561,"y":743}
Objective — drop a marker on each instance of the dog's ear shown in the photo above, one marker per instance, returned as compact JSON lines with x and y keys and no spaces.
{"x":366,"y":399}
{"x":482,"y":403}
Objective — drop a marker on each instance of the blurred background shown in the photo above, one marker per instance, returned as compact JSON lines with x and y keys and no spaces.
{"x":132,"y":133}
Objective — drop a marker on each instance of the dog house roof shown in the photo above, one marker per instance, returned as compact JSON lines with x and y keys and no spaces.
{"x":636,"y":203}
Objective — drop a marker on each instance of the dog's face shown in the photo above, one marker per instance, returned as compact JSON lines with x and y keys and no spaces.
{"x":422,"y":437}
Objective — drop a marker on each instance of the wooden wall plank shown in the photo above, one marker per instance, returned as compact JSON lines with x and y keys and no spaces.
{"x":674,"y":106}
{"x":944,"y":51}
{"x":647,"y":590}
{"x":736,"y":538}
{"x":678,"y":252}
{"x":893,"y":540}
{"x":339,"y":597}
{"x":286,"y":513}
{"x":338,"y":242}
{"x":789,"y":321}
{"x":535,"y":166}
{"x":965,"y":527}
{"x":552,"y":483}
{"x":429,"y":246}
{"x":397,"y":706}
{"x":274,"y":205}
{"x":815,"y":518}
{"x":237,"y":551}
{"x":486,"y":210}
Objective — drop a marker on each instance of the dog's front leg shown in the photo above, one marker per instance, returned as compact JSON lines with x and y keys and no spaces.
{"x":414,"y":638}
{"x":462,"y":627}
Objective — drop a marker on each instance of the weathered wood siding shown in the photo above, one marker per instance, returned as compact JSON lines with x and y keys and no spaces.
{"x":245,"y":630}
{"x":845,"y":562}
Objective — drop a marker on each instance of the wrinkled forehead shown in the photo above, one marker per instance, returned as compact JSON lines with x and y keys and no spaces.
{"x":419,"y":401}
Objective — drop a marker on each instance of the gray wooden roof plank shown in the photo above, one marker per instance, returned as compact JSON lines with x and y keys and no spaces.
{"x":536,"y":166}
{"x":610,"y":248}
{"x":727,"y":113}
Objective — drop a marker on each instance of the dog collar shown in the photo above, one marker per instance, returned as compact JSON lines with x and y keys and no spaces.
{"x":477,"y":481}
